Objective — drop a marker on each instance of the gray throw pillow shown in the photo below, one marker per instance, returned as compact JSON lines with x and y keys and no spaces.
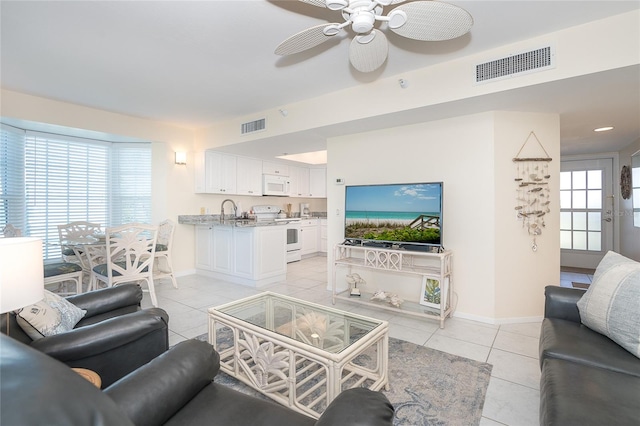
{"x":51,"y":315}
{"x":611,"y":305}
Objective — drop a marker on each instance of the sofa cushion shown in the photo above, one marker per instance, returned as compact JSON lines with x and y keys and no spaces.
{"x":572,"y":341}
{"x":52,"y":315}
{"x":610,"y":305}
{"x":576,"y":394}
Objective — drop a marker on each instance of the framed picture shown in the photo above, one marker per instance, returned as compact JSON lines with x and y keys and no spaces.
{"x":430,"y":294}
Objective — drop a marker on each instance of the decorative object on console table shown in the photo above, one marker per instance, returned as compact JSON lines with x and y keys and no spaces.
{"x":431,"y":294}
{"x":21,"y":273}
{"x":354,"y":280}
{"x":532,"y":193}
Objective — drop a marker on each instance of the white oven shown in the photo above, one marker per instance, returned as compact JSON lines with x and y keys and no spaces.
{"x":269,"y":214}
{"x":294,"y":245}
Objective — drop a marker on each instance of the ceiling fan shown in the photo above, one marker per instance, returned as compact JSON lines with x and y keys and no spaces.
{"x":420,"y":20}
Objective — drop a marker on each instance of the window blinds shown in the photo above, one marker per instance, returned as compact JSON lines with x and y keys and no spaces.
{"x":48,"y":180}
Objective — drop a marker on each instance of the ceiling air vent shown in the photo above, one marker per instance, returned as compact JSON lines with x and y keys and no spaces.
{"x":520,"y":63}
{"x":253,"y":126}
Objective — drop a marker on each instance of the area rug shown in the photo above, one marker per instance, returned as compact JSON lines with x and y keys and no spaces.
{"x":428,"y":387}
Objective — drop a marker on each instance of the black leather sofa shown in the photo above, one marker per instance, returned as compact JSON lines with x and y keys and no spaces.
{"x":174,"y":389}
{"x":587,"y":379}
{"x":114,"y":337}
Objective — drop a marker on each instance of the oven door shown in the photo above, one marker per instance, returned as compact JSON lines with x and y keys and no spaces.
{"x":293,"y":242}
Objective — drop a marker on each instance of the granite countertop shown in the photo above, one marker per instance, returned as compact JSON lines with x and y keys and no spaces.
{"x":214,"y":219}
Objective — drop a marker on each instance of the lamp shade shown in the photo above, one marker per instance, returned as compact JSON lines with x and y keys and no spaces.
{"x":21,"y":272}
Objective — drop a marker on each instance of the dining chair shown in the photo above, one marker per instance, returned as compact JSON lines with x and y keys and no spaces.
{"x":129,"y":257}
{"x":56,"y":272}
{"x":163,"y":267}
{"x":73,"y":231}
{"x":10,"y":231}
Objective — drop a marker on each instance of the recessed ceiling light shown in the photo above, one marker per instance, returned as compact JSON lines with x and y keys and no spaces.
{"x":603,"y":129}
{"x":316,"y":157}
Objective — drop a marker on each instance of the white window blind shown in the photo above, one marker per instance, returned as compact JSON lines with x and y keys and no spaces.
{"x":61,"y":179}
{"x":12,"y":201}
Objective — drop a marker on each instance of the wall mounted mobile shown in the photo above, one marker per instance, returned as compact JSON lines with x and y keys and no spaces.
{"x":532,"y":190}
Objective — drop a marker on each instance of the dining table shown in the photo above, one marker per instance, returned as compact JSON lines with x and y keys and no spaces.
{"x":90,"y":250}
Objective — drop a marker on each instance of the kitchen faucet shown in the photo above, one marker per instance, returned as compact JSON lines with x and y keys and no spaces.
{"x":235,"y":208}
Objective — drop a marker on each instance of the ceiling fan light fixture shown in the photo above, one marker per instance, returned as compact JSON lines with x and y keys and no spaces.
{"x":362,"y":22}
{"x":397,"y":18}
{"x":337,"y":4}
{"x":331,"y":30}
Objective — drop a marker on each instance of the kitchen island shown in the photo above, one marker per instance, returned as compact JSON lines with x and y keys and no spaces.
{"x":241,"y":251}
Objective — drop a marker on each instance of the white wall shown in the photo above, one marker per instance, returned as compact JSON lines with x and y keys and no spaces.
{"x":629,"y":234}
{"x":497,"y":277}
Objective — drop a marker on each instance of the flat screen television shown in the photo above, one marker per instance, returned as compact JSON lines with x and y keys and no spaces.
{"x":407,"y":216}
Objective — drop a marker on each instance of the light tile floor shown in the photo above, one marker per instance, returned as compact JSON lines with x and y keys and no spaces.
{"x":513,"y":394}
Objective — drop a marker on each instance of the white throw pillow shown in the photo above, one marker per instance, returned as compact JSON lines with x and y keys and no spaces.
{"x":52,"y":315}
{"x":611,"y":305}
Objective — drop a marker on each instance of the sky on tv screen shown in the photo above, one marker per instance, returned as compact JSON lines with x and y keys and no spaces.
{"x":394,"y":198}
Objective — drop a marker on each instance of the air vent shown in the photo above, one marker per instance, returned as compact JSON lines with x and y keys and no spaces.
{"x":521,"y":63}
{"x":253,"y":126}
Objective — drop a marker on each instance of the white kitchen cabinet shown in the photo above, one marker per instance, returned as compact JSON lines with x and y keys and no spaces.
{"x":323,"y":236}
{"x":309,"y":236}
{"x":318,"y":182}
{"x":299,"y":181}
{"x":252,"y":255}
{"x":215,"y":173}
{"x":204,"y":247}
{"x":270,"y":168}
{"x":222,"y":243}
{"x":248,"y":176}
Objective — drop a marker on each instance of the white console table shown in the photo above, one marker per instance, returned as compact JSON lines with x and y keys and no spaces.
{"x":433,"y":268}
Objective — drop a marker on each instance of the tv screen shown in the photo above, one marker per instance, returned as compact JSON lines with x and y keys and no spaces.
{"x":405,"y":215}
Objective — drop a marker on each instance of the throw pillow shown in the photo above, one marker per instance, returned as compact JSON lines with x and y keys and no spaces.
{"x":611,"y":304}
{"x":52,"y":315}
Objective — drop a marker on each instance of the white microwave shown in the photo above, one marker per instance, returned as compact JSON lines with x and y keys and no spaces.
{"x":275,"y":185}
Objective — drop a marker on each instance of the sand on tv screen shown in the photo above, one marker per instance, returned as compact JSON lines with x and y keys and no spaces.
{"x":394,"y":213}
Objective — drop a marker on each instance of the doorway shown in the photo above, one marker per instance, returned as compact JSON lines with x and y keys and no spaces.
{"x":586,"y":211}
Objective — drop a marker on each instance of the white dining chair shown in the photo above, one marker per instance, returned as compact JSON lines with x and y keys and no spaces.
{"x":163,"y":267}
{"x":74,"y":231}
{"x":60,"y":273}
{"x":130,"y":253}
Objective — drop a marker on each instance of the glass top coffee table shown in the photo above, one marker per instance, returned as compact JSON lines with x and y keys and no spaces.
{"x":299,"y":353}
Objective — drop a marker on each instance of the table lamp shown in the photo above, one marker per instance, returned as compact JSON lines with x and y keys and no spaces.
{"x":21,"y":273}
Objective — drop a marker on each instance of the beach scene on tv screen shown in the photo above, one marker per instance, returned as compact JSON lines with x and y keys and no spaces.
{"x":409,"y":213}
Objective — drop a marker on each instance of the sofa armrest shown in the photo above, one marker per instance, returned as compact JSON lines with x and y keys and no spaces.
{"x":358,"y":407}
{"x":561,"y":303}
{"x":156,"y":391}
{"x":108,"y":299}
{"x":112,"y":348}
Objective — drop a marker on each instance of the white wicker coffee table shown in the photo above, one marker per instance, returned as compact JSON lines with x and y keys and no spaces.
{"x":298,"y":353}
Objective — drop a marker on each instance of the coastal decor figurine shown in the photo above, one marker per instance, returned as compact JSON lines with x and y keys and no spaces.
{"x":354,"y":280}
{"x":393,"y":299}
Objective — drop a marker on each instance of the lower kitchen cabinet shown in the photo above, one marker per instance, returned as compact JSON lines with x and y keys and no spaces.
{"x":252,"y":256}
{"x":308,"y":236}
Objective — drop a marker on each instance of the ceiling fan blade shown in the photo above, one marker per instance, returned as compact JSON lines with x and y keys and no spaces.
{"x":433,"y":21}
{"x":319,"y":3}
{"x":306,"y":39}
{"x":368,"y":52}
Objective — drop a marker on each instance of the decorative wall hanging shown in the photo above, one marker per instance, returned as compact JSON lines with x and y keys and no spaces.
{"x":625,"y":182}
{"x":532,"y":191}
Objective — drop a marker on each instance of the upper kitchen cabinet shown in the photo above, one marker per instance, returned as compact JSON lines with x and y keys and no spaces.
{"x":299,"y":181}
{"x":269,"y":168}
{"x":318,"y":182}
{"x":249,"y":176}
{"x":215,"y":173}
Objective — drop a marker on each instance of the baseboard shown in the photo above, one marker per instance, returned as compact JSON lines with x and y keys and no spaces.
{"x":496,"y":321}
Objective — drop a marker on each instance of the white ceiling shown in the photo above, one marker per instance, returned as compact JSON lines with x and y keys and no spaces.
{"x":195,"y":63}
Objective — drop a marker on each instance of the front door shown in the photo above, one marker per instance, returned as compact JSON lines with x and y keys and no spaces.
{"x":586,"y":211}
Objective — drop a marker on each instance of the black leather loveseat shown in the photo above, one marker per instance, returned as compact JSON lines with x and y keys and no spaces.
{"x":587,"y":379}
{"x":174,"y":389}
{"x":114,"y":337}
